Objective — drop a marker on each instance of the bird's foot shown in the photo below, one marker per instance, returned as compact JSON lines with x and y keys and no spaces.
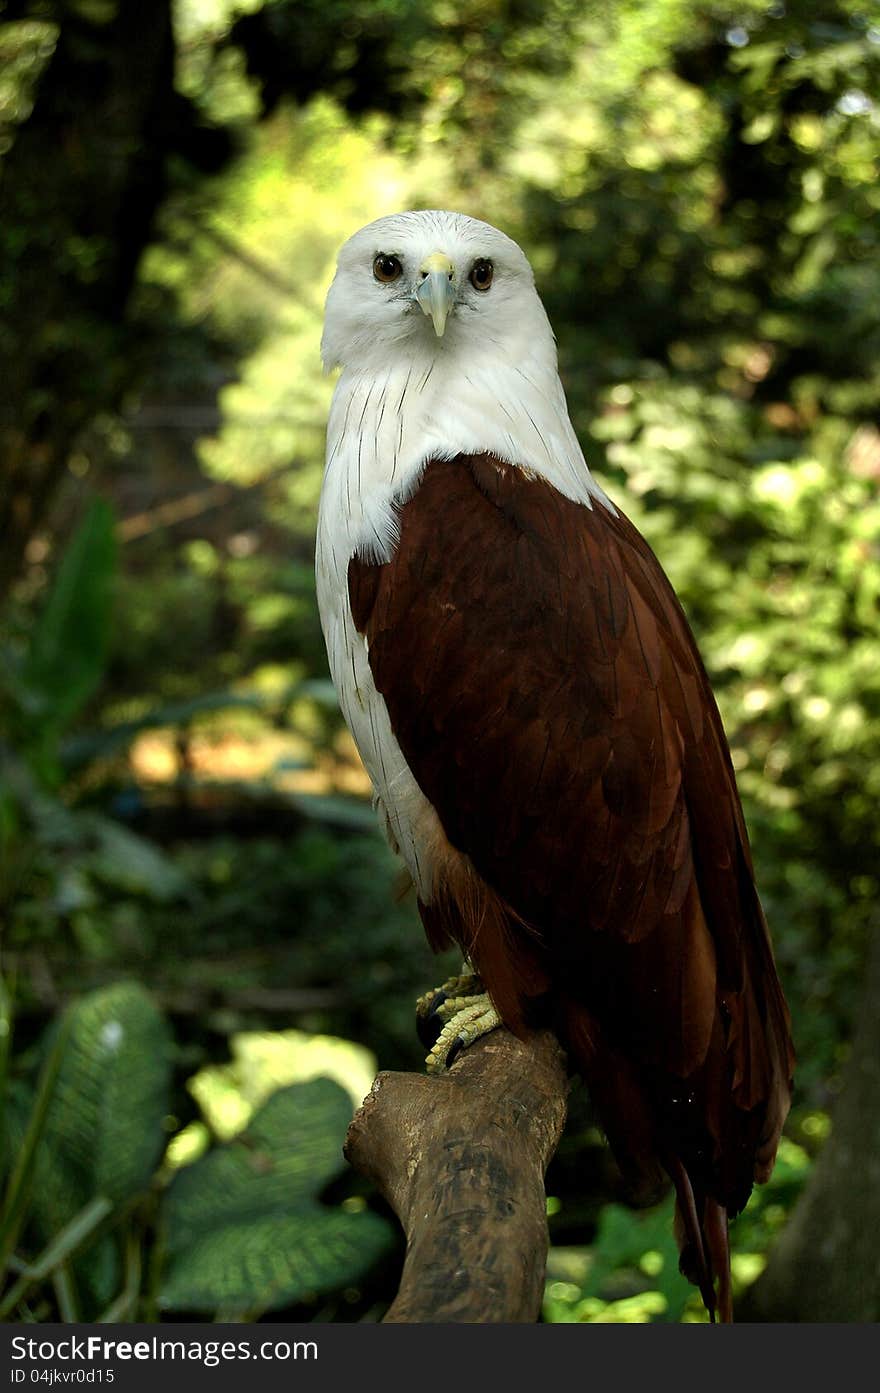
{"x":433,"y":1009}
{"x":453,"y":1016}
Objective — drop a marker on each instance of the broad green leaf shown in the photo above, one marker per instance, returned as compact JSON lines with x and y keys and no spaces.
{"x":263,"y":1261}
{"x":290,"y":1151}
{"x":242,"y":1225}
{"x":103,"y":1132}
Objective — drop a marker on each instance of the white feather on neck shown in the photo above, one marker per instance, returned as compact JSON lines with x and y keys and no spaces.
{"x":394,"y":413}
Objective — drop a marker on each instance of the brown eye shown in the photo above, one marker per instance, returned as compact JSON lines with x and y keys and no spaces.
{"x":481,"y":274}
{"x":386,"y":268}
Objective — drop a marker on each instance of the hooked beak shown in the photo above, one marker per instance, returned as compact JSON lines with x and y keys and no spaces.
{"x":436,"y":295}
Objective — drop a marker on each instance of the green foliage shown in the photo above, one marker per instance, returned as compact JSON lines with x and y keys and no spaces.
{"x":68,"y":646}
{"x":66,"y":651}
{"x":241,"y":1229}
{"x":103,"y":1132}
{"x":25,"y":48}
{"x":63,"y":870}
{"x":57,"y":863}
{"x":97,"y":1130}
{"x":244,"y":1229}
{"x":629,"y":1274}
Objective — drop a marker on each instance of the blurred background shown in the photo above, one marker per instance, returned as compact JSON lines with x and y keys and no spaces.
{"x":204,"y":958}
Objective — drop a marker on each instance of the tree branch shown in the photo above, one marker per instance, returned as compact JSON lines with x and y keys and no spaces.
{"x":461,"y":1160}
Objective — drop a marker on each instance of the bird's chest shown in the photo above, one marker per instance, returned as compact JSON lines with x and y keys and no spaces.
{"x":384,"y":425}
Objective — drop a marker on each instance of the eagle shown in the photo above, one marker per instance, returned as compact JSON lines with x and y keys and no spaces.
{"x":544,"y":747}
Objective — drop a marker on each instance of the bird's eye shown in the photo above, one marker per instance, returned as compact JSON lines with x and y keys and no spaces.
{"x":481,"y":274}
{"x":386,"y":268}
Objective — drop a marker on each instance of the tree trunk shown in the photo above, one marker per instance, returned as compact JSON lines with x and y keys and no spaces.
{"x":79,"y":192}
{"x":826,"y":1264}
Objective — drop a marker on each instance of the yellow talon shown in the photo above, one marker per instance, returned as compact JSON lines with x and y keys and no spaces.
{"x":466,"y":1024}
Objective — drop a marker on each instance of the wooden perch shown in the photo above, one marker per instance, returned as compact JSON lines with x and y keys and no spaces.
{"x":461,"y":1160}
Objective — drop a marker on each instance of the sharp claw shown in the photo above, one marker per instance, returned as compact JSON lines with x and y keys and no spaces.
{"x":454,"y":1051}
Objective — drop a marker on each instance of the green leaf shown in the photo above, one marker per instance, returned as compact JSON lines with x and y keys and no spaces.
{"x":69,"y":642}
{"x":103,"y":1133}
{"x":243,"y":1227}
{"x":264,"y":1261}
{"x":285,"y":1157}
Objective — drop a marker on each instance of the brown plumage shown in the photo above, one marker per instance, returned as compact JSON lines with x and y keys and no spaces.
{"x":547,"y":694}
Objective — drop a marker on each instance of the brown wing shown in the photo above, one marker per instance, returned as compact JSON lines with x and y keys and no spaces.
{"x":548,"y":696}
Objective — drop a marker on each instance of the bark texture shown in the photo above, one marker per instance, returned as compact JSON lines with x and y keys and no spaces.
{"x":461,"y":1160}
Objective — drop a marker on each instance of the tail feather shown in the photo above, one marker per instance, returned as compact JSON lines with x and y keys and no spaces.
{"x":647,"y":1150}
{"x":694,"y":1262}
{"x":718,"y":1243}
{"x":701,"y":1230}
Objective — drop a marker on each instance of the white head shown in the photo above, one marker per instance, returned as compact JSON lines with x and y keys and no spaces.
{"x":433,"y":284}
{"x":445,"y":349}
